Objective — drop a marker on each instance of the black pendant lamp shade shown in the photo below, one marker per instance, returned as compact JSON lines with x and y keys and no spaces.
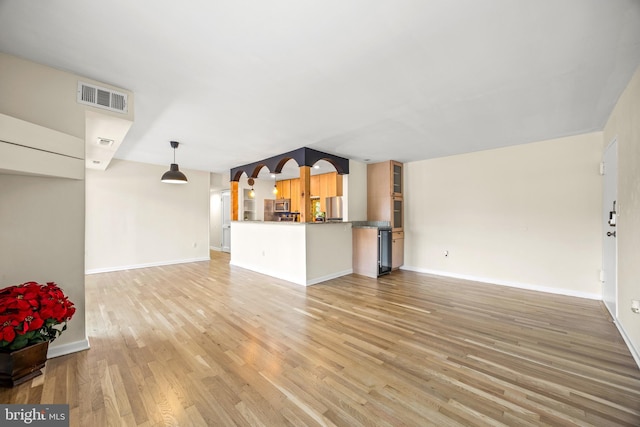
{"x":173,"y":175}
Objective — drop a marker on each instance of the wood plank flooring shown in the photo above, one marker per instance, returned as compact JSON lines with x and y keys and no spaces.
{"x":207,"y":344}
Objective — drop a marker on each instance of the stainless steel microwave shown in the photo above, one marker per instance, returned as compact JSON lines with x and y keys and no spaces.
{"x":282,"y":205}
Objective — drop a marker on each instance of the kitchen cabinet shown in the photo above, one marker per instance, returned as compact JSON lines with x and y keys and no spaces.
{"x":396,"y":179}
{"x":322,"y":186}
{"x":397,"y":219}
{"x":284,"y":189}
{"x":315,"y":186}
{"x":385,"y":200}
{"x":372,"y":251}
{"x":331,"y":183}
{"x":326,"y":185}
{"x":295,"y":195}
{"x":397,"y":250}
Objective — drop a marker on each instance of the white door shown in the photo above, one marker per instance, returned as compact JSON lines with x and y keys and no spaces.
{"x":226,"y":221}
{"x":609,"y":217}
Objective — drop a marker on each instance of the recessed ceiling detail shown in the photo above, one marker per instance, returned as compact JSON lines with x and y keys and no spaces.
{"x":104,"y":142}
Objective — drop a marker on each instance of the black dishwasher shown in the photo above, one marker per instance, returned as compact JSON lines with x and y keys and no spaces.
{"x":384,"y":250}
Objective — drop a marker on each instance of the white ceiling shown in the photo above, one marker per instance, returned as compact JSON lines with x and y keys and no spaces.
{"x":239,"y":81}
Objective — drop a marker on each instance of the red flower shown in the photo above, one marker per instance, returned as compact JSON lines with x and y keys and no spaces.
{"x":7,"y":328}
{"x":24,"y":297}
{"x":33,"y":311}
{"x":32,"y":322}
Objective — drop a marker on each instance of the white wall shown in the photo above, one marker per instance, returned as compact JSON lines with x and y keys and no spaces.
{"x":301,"y":253}
{"x":42,"y":239}
{"x":134,"y":220}
{"x":275,"y":248}
{"x":526,"y":216}
{"x":215,"y":220}
{"x":263,"y":189}
{"x":624,"y":124}
{"x":47,"y":97}
{"x":329,"y":251}
{"x":355,"y":192}
{"x":42,"y":219}
{"x":218,"y":183}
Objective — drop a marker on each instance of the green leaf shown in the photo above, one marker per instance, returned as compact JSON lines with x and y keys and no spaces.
{"x":20,"y":342}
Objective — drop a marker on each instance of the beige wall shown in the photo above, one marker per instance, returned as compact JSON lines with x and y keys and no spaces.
{"x":301,"y":253}
{"x":624,"y":125}
{"x":527,"y":215}
{"x":355,"y":192}
{"x":134,"y":220}
{"x":218,"y":183}
{"x":215,"y":220}
{"x":46,"y":96}
{"x":42,"y":239}
{"x":42,"y":219}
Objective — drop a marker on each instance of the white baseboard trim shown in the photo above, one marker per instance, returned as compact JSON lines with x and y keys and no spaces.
{"x":634,"y":352}
{"x":73,"y":347}
{"x":329,"y":277}
{"x":145,"y":265}
{"x":268,"y":272}
{"x":558,"y":291}
{"x":215,"y":248}
{"x":292,"y":279}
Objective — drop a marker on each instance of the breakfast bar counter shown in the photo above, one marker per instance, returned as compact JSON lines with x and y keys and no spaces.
{"x":302,"y":253}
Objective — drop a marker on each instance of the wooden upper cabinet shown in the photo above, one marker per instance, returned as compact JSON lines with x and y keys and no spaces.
{"x":326,"y":185}
{"x":396,"y":179}
{"x":385,"y":178}
{"x":332,"y":184}
{"x":284,"y":189}
{"x":322,"y":186}
{"x":315,"y":186}
{"x":295,"y":195}
{"x":385,"y":193}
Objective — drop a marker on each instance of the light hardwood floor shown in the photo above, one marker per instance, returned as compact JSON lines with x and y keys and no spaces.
{"x":206,"y":344}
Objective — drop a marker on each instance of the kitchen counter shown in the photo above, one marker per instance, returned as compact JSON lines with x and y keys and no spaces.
{"x":299,"y":252}
{"x":299,"y":223}
{"x":371,"y":224}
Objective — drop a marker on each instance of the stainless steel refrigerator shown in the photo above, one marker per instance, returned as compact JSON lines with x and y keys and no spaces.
{"x":334,"y":208}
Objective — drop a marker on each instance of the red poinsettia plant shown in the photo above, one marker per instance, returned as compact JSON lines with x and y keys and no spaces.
{"x":32,"y":313}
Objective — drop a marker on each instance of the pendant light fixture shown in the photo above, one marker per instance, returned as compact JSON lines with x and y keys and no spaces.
{"x":275,"y":185}
{"x":173,"y":175}
{"x":252,"y":193}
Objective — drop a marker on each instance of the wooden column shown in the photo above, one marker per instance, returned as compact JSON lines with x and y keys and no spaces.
{"x":234,"y":200}
{"x":305,"y":190}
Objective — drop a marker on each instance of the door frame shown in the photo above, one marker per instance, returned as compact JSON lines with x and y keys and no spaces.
{"x":610,"y":191}
{"x":225,"y":207}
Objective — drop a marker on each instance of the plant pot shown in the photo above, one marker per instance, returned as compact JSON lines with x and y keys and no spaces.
{"x":22,"y":365}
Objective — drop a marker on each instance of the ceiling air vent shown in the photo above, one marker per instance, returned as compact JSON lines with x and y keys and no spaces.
{"x":100,"y":97}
